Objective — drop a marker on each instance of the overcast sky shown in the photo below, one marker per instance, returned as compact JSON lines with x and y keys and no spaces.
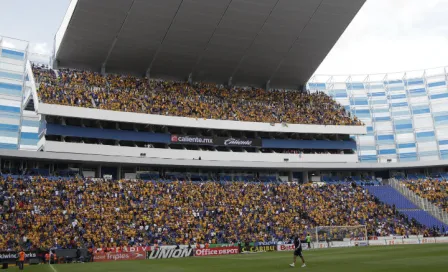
{"x":385,"y":36}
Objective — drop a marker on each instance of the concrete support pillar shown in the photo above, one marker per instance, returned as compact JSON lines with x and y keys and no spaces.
{"x":119,"y":172}
{"x":148,"y":76}
{"x":98,"y":174}
{"x":55,"y":64}
{"x":103,"y":69}
{"x":305,"y":177}
{"x":290,"y":176}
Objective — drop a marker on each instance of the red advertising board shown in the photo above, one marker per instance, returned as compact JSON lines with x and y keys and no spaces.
{"x":115,"y":256}
{"x":216,"y":251}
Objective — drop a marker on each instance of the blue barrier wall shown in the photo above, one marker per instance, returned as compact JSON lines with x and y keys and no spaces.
{"x":307,"y":144}
{"x":124,"y":135}
{"x":110,"y":134}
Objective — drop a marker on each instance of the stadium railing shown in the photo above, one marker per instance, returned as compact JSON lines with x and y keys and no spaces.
{"x":423,"y":203}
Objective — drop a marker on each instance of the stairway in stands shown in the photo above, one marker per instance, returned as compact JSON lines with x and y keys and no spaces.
{"x":390,"y":196}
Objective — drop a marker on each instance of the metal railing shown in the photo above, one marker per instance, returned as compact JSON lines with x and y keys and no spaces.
{"x":421,"y":202}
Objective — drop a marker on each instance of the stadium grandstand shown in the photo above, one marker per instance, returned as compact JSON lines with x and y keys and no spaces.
{"x":209,"y":129}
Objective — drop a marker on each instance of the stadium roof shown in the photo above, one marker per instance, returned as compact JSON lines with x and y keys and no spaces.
{"x":251,"y":41}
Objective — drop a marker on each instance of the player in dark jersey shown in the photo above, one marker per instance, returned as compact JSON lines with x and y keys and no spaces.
{"x":298,"y":251}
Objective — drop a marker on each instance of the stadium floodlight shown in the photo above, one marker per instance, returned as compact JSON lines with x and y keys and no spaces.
{"x":339,"y":236}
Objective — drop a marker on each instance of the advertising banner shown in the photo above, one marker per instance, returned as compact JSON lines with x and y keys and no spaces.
{"x":12,"y":256}
{"x":428,"y":240}
{"x":237,"y":142}
{"x":290,"y":247}
{"x":285,"y":247}
{"x":217,"y":141}
{"x":118,"y":256}
{"x":441,"y":240}
{"x":252,"y":249}
{"x":222,"y":245}
{"x":271,"y":243}
{"x":198,"y":140}
{"x":410,"y":241}
{"x":357,"y":243}
{"x":377,"y":243}
{"x":165,"y":253}
{"x":124,"y":249}
{"x":216,"y":251}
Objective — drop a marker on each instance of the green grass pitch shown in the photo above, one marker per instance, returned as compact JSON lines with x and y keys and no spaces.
{"x":407,"y":258}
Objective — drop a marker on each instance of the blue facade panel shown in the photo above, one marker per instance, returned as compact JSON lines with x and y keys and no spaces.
{"x":415,"y":82}
{"x":304,"y":144}
{"x":11,"y":54}
{"x":439,"y":96}
{"x":404,"y":113}
{"x":436,"y":84}
{"x":110,"y":134}
{"x":387,"y":152}
{"x":410,"y":145}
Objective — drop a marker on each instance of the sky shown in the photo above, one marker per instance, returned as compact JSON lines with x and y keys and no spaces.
{"x":385,"y":36}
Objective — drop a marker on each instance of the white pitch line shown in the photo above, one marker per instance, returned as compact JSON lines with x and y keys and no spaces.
{"x":52,"y":268}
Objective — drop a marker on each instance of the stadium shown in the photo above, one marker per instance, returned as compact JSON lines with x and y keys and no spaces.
{"x":206,"y":141}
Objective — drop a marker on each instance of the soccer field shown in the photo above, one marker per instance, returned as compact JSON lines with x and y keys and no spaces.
{"x":394,"y":258}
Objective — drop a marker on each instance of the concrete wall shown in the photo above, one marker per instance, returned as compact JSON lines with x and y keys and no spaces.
{"x":87,"y":113}
{"x":92,"y":149}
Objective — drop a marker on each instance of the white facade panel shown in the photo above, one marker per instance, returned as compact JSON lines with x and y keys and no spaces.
{"x":423,"y":122}
{"x":383,"y":126}
{"x":366,"y":140}
{"x":8,"y":140}
{"x":442,"y":133}
{"x":407,"y":150}
{"x":427,"y":146}
{"x":405,"y":138}
{"x":368,"y":152}
{"x":418,"y":100}
{"x":429,"y":158}
{"x":30,"y":129}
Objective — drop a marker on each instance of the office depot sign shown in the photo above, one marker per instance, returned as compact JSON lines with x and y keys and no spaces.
{"x":216,"y":251}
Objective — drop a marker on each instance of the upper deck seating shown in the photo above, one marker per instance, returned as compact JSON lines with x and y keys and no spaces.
{"x":197,"y":100}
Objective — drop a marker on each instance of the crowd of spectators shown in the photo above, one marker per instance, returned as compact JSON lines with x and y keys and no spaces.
{"x":435,"y":190}
{"x":198,"y":100}
{"x":47,"y":213}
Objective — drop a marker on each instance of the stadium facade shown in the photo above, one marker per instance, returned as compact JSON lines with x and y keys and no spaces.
{"x":19,"y":127}
{"x":405,"y":113}
{"x":405,"y":117}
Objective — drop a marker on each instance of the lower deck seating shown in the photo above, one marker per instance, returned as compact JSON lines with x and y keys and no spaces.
{"x":46,"y":213}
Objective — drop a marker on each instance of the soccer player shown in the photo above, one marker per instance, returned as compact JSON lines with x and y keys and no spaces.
{"x":298,"y":251}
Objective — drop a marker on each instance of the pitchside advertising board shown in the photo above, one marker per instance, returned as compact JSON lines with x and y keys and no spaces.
{"x":166,"y":253}
{"x":290,"y":247}
{"x":217,"y":141}
{"x":169,"y":252}
{"x":200,"y":252}
{"x":12,"y":256}
{"x":259,"y":247}
{"x":118,"y":256}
